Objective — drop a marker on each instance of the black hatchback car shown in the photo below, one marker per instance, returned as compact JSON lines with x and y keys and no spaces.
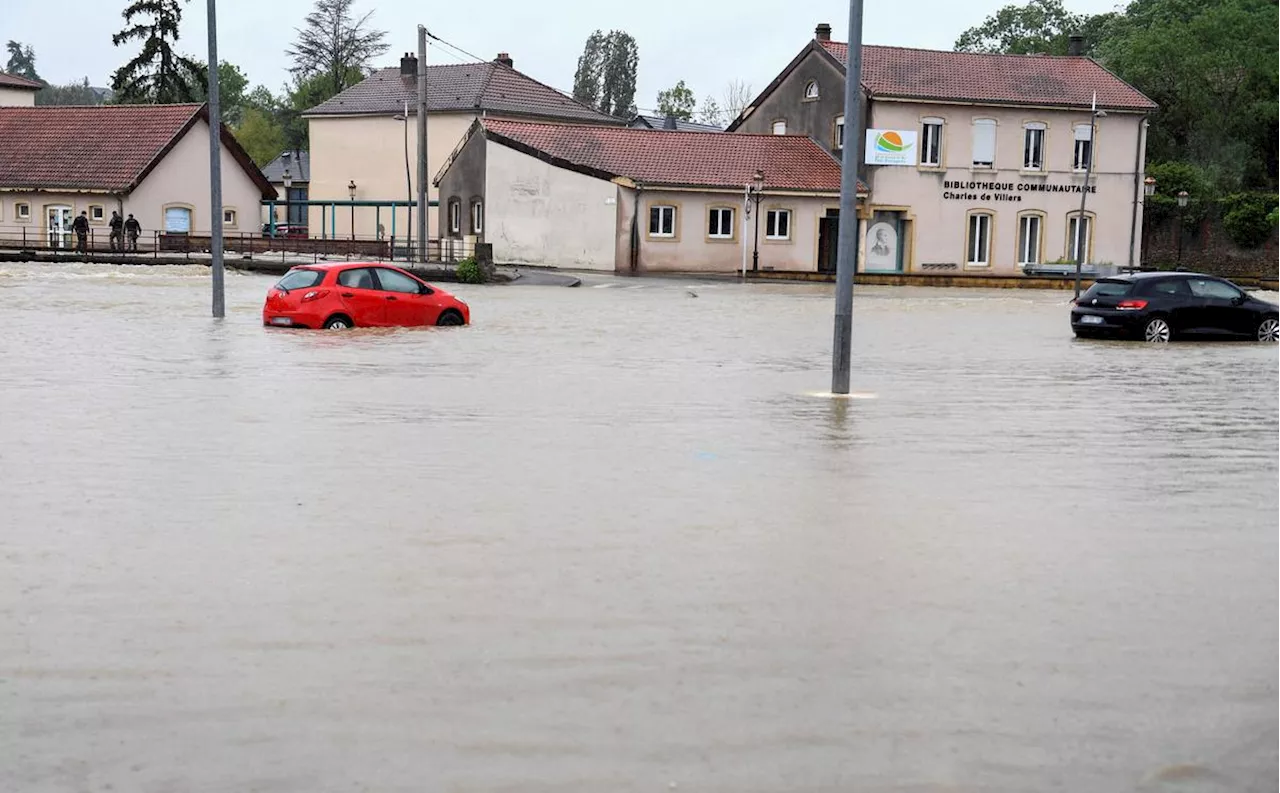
{"x":1160,"y":307}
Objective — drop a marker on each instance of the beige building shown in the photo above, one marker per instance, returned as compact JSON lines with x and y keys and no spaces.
{"x":367,"y":135}
{"x":151,"y":161}
{"x":641,"y":200}
{"x":17,"y":91}
{"x":976,"y":163}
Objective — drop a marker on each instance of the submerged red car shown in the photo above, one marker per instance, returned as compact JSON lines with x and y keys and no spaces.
{"x":359,"y":295}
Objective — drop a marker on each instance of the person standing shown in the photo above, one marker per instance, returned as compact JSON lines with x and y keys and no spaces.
{"x":133,"y":228}
{"x":81,"y":227}
{"x":117,"y":231}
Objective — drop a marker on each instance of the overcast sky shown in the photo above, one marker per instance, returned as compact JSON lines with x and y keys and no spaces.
{"x":707,"y":43}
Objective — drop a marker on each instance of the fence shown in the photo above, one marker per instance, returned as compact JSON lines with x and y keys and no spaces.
{"x":98,"y":244}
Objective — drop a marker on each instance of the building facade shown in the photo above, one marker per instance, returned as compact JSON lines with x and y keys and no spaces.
{"x":367,"y":135}
{"x":976,"y":163}
{"x":292,"y":209}
{"x":17,"y":91}
{"x":642,"y":201}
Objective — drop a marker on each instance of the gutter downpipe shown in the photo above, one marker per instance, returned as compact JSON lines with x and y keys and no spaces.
{"x":1137,"y":186}
{"x":635,"y":231}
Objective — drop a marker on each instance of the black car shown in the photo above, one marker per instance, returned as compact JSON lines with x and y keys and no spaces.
{"x":1159,"y":307}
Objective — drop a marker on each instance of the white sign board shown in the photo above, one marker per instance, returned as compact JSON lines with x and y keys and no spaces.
{"x":890,"y":147}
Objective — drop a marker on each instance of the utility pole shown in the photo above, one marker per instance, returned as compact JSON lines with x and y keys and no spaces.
{"x":422,"y":145}
{"x":1082,"y":239}
{"x":215,"y":168}
{"x":847,"y":245}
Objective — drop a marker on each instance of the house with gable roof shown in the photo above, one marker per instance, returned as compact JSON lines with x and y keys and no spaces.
{"x":976,"y":163}
{"x":367,"y":135}
{"x":18,"y":91}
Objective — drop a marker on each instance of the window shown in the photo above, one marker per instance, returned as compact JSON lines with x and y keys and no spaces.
{"x":455,"y":215}
{"x":1076,"y":232}
{"x":1084,"y":147}
{"x":978,"y":253}
{"x":720,"y":223}
{"x":1174,"y":286}
{"x":839,"y":136}
{"x":777,"y":225}
{"x":780,"y":127}
{"x":177,"y":220}
{"x":1218,"y":290}
{"x":301,"y":279}
{"x":931,"y":142}
{"x":22,"y":211}
{"x":984,"y":143}
{"x":811,"y":89}
{"x":477,"y":217}
{"x":1030,"y":233}
{"x":662,"y":221}
{"x":229,"y":217}
{"x":96,"y":213}
{"x":1033,"y":147}
{"x":361,"y":278}
{"x":393,"y":281}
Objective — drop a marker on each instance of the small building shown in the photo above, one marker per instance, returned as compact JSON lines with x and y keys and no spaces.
{"x":671,"y":123}
{"x":640,"y":200}
{"x":976,"y":162}
{"x":151,"y":161}
{"x":297,"y":164}
{"x":367,"y":135}
{"x":18,"y":91}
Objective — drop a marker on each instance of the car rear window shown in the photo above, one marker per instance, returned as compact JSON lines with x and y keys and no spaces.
{"x":1108,"y":289}
{"x":300,"y":279}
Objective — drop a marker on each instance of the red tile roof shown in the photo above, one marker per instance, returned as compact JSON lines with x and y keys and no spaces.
{"x":665,"y":157}
{"x":14,"y":81}
{"x":109,"y":148}
{"x":1060,"y":81}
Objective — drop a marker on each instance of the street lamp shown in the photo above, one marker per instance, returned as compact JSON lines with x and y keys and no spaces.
{"x":1182,"y":206}
{"x":1082,"y":240}
{"x":1148,"y":189}
{"x":757,"y":190}
{"x":408,"y":185}
{"x":288,"y":210}
{"x":351,"y":191}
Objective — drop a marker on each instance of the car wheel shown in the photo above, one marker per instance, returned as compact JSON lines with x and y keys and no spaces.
{"x":1269,"y":330}
{"x":1157,"y":330}
{"x":337,"y":323}
{"x":449,"y":319}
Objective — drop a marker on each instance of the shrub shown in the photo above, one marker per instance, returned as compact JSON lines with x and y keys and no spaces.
{"x":1247,"y":218}
{"x":469,"y":272}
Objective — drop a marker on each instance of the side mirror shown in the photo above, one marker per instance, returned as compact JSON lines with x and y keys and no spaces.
{"x":1238,"y":300}
{"x":423,"y":289}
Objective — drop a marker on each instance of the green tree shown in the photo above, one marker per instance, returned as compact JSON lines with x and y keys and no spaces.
{"x":606,"y":75}
{"x":677,"y":102}
{"x":1040,"y":26}
{"x":22,"y":61}
{"x":70,"y":94}
{"x":335,"y":44}
{"x":711,"y":112}
{"x":586,"y":80}
{"x":232,"y":84}
{"x":261,"y":134}
{"x":158,"y":74}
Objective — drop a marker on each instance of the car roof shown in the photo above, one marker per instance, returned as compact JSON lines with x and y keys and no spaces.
{"x":1155,"y":275}
{"x":326,"y":266}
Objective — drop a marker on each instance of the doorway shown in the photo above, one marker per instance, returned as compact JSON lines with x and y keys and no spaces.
{"x":886,"y":241}
{"x":59,"y":226}
{"x":828,"y":240}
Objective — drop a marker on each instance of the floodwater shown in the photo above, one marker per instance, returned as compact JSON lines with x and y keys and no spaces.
{"x":607,"y":540}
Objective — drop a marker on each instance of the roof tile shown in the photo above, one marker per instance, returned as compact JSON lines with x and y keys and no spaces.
{"x":14,"y":81}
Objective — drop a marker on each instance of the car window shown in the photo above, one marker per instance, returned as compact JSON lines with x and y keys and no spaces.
{"x":300,"y":279}
{"x":360,"y":278}
{"x":1173,"y":286}
{"x":393,"y":281}
{"x":1108,"y":289}
{"x":1205,"y":287}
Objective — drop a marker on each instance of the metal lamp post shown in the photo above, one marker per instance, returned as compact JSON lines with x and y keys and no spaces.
{"x":288,"y":208}
{"x":1148,"y":189}
{"x":1082,"y":240}
{"x":351,"y":191}
{"x":1183,"y":198}
{"x":757,"y":190}
{"x":408,"y":182}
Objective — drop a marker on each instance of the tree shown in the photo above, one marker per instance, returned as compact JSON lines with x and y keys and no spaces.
{"x":261,"y":135}
{"x":737,"y":95}
{"x":80,"y":93}
{"x":1040,"y":26}
{"x":677,"y":102}
{"x":711,"y":112}
{"x":334,"y":44}
{"x":606,"y":75}
{"x":231,"y":91}
{"x":158,"y":75}
{"x":22,"y":61}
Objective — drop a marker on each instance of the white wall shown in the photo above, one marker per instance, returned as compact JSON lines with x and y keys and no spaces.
{"x":542,"y":215}
{"x":17,"y":97}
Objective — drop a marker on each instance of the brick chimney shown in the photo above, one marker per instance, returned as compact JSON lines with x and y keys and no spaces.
{"x":1075,"y":44}
{"x":409,"y":65}
{"x":670,"y":123}
{"x":822,"y":32}
{"x":505,"y":59}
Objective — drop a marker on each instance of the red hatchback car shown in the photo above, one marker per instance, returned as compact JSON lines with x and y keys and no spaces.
{"x":358,"y":295}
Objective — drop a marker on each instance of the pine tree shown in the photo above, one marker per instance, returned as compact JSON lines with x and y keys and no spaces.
{"x":334,"y":44}
{"x":158,"y":75}
{"x":22,"y":61}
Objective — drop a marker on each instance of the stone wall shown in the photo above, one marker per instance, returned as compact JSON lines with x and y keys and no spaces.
{"x":1207,"y":248}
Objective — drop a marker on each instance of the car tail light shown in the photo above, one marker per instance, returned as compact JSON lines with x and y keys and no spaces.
{"x":1132,"y":305}
{"x":314,"y":294}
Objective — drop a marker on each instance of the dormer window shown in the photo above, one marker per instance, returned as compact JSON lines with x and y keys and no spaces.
{"x":811,"y":90}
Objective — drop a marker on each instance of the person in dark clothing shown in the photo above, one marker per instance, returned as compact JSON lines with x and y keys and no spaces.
{"x":117,"y":231}
{"x":81,"y":227}
{"x":133,"y":228}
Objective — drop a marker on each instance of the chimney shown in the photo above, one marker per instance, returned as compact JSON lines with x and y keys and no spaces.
{"x":1075,"y":44}
{"x":670,"y":123}
{"x":822,"y":32}
{"x":409,"y":65}
{"x":505,"y":59}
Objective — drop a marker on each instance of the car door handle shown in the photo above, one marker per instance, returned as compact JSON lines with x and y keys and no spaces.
{"x":347,"y":294}
{"x":391,"y":297}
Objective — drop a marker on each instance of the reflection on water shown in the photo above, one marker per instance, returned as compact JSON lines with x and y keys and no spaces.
{"x":609,"y":539}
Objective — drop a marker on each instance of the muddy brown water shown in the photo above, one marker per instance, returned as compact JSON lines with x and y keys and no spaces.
{"x":607,"y":540}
